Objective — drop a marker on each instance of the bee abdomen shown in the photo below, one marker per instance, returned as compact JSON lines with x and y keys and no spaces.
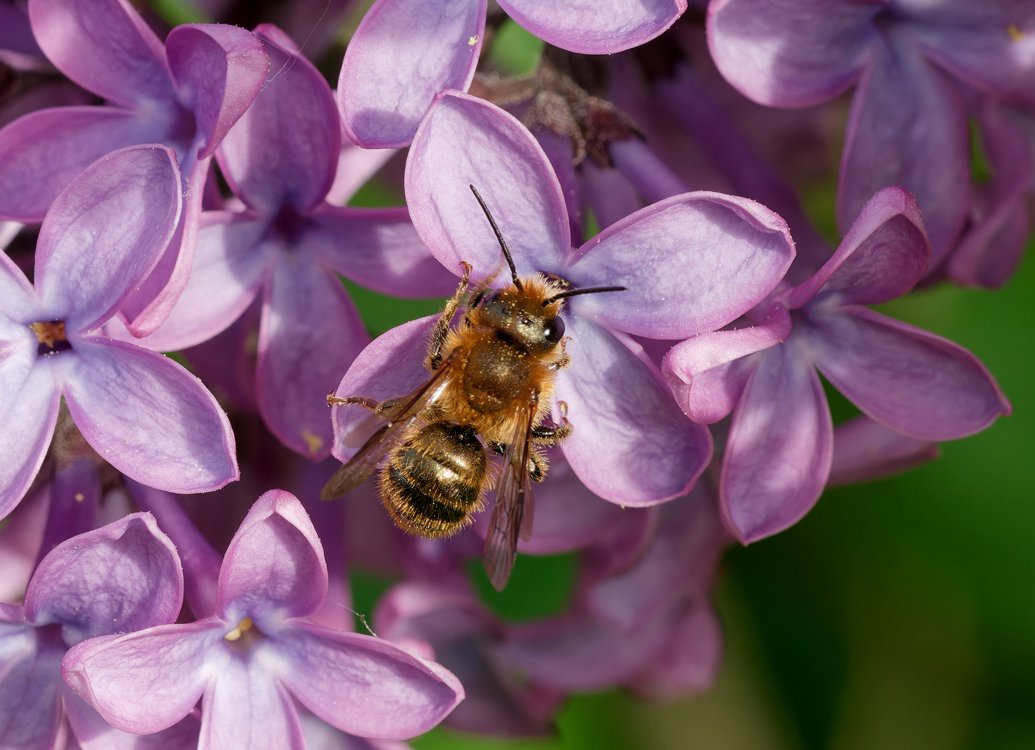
{"x":433,"y":482}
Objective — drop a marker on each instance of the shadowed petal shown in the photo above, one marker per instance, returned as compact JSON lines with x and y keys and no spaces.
{"x":218,"y":70}
{"x":365,"y":686}
{"x":390,"y":74}
{"x":283,"y":149}
{"x":94,"y":733}
{"x":231,"y":261}
{"x":620,"y":407}
{"x":707,"y":373}
{"x":246,"y":707}
{"x":866,"y":450}
{"x":779,"y":448}
{"x":379,"y":249}
{"x":392,"y":365}
{"x":150,"y":418}
{"x":146,"y":681}
{"x":44,"y":151}
{"x":121,"y":577}
{"x":907,"y":127}
{"x":883,"y":255}
{"x":466,"y":141}
{"x":910,"y":380}
{"x":691,"y":263}
{"x":309,"y":334}
{"x":691,"y":660}
{"x":274,"y":565}
{"x":105,"y":232}
{"x":791,"y":53}
{"x":30,"y":706}
{"x":29,"y":400}
{"x":104,"y":46}
{"x":593,"y":27}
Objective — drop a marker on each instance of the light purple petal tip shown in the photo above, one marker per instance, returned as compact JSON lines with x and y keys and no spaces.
{"x":150,"y":418}
{"x":466,"y":141}
{"x":390,"y":75}
{"x":121,"y":577}
{"x":779,"y":448}
{"x":596,"y":27}
{"x":865,"y":450}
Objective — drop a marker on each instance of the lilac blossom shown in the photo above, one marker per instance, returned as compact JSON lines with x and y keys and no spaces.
{"x":259,"y":653}
{"x":116,"y":579}
{"x":390,"y":75}
{"x":141,"y":412}
{"x":908,"y":122}
{"x":288,"y":246}
{"x":779,"y":450}
{"x":616,"y":399}
{"x":185,"y":94}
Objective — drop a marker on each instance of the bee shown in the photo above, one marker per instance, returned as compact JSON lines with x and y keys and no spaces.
{"x":490,"y":388}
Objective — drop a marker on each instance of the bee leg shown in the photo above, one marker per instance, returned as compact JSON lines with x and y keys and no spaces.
{"x":565,"y":360}
{"x":550,"y":435}
{"x":537,"y":466}
{"x":441,"y":329}
{"x":498,"y":448}
{"x":378,"y":407}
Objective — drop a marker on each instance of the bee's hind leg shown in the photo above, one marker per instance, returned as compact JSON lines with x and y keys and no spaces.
{"x":550,"y":435}
{"x":378,"y":407}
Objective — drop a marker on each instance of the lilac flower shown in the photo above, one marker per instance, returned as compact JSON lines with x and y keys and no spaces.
{"x":185,"y":94}
{"x":258,"y":651}
{"x":907,"y":125}
{"x":779,"y":450}
{"x":122,"y":577}
{"x":289,"y":244}
{"x":143,"y":413}
{"x":390,"y":74}
{"x":691,"y":264}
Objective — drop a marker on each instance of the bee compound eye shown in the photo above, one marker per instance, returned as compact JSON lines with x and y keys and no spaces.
{"x":554,"y":329}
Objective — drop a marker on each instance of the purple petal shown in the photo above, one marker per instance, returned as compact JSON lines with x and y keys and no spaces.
{"x":17,"y":303}
{"x":708,"y":372}
{"x":146,"y":681}
{"x":779,"y":447}
{"x":150,"y":418}
{"x":675,"y":288}
{"x":794,"y":53}
{"x":309,"y":334}
{"x":283,"y":149}
{"x":907,"y":127}
{"x":228,"y":270}
{"x":121,"y":577}
{"x":690,"y":663}
{"x":104,"y":46}
{"x":912,"y":381}
{"x":991,"y":45}
{"x":883,"y":255}
{"x":379,"y":249}
{"x":620,"y":407}
{"x":466,"y":141}
{"x":219,"y":70}
{"x":392,"y":365}
{"x":365,"y":686}
{"x":274,"y":566}
{"x":865,"y":450}
{"x":245,"y":707}
{"x":593,"y":27}
{"x":94,"y":733}
{"x":41,"y":153}
{"x":30,"y":705}
{"x":390,"y":75}
{"x":29,"y":401}
{"x":105,"y":232}
{"x":608,"y":193}
{"x":356,"y":166}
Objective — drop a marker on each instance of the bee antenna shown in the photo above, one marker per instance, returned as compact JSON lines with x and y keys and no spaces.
{"x":499,"y":236}
{"x":586,"y":290}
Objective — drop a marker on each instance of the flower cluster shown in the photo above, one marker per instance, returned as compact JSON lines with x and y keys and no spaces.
{"x":196,"y":197}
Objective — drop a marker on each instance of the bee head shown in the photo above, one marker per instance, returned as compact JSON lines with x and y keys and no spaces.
{"x":521,"y":316}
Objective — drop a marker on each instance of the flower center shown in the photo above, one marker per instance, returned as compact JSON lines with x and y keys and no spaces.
{"x":242,"y":629}
{"x":50,"y":337}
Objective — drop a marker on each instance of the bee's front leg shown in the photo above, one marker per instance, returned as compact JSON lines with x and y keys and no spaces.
{"x":441,"y":329}
{"x":378,"y":407}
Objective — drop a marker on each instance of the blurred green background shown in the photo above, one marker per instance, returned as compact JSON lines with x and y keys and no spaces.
{"x":898,"y":614}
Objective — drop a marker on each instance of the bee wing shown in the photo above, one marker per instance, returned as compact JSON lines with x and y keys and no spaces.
{"x":513,"y":503}
{"x":396,"y":420}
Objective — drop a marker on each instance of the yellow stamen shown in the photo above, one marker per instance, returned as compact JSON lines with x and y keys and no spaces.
{"x":49,"y":333}
{"x":313,"y":442}
{"x":1014,"y":33}
{"x":242,"y":627}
